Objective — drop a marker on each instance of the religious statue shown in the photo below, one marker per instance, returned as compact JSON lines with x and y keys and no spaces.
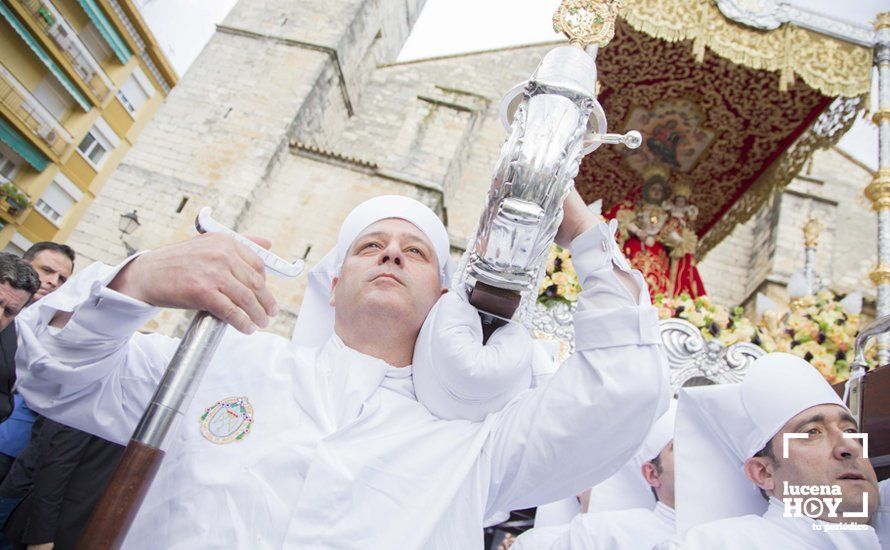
{"x":658,"y":235}
{"x":640,"y":228}
{"x":679,"y":235}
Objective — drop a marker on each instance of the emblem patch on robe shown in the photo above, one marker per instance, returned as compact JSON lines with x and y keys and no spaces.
{"x":227,"y":420}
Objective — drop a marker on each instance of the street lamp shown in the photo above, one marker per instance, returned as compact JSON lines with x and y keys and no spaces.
{"x":126,"y":225}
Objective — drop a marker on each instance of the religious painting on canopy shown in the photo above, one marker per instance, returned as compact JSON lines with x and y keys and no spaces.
{"x":728,"y":115}
{"x":674,"y":135}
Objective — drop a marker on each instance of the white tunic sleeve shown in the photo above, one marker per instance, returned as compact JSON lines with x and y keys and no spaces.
{"x":592,"y":416}
{"x":581,"y":534}
{"x":94,"y":374}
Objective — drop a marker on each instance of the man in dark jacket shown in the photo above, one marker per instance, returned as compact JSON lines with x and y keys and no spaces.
{"x":18,"y":285}
{"x":52,"y":263}
{"x":60,"y":473}
{"x":59,"y":478}
{"x":49,"y":266}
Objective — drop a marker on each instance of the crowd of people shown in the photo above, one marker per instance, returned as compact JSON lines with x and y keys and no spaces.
{"x":387,"y":423}
{"x":724,"y":473}
{"x":50,"y":474}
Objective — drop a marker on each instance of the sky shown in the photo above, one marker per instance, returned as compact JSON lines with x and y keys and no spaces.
{"x":183,"y":27}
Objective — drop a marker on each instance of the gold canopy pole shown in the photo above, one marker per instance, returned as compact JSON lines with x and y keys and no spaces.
{"x":811,"y":242}
{"x":878,"y":191}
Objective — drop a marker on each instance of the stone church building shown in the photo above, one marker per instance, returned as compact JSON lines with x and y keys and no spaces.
{"x":296,"y":111}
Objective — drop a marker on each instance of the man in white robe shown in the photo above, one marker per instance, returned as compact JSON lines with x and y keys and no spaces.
{"x":624,"y":490}
{"x":736,"y":467}
{"x":635,"y":528}
{"x":331,"y":447}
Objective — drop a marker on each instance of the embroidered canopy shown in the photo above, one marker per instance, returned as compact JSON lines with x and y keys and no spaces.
{"x":733,"y":111}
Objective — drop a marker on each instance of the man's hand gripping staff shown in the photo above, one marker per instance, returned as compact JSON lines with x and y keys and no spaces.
{"x":222,"y":275}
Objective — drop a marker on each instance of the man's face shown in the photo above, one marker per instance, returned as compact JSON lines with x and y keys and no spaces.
{"x":390,"y":271}
{"x":662,"y":481}
{"x":53,"y":268}
{"x":825,"y":457}
{"x":12,"y":300}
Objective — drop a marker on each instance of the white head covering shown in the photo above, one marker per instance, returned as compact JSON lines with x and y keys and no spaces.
{"x":627,"y":489}
{"x":315,"y":323}
{"x":660,"y":435}
{"x":720,"y":427}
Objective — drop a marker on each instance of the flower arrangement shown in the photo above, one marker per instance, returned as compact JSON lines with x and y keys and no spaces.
{"x":560,"y":282}
{"x":819,"y":330}
{"x":816,"y":329}
{"x":715,"y":322}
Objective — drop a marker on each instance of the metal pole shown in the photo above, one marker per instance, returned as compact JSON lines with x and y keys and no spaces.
{"x":182,"y":378}
{"x":878,"y":191}
{"x":116,"y":509}
{"x":114,"y":513}
{"x":811,"y":241}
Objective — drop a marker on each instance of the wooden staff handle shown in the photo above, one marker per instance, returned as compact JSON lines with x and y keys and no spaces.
{"x":113,"y":514}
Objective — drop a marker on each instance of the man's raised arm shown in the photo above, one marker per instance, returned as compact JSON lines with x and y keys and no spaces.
{"x":92,"y":373}
{"x":595,"y":412}
{"x":79,"y":361}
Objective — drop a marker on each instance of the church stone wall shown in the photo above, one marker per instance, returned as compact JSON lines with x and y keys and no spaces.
{"x":725,"y":270}
{"x":220,"y":140}
{"x":212,"y":142}
{"x":854,"y":230}
{"x":436,"y":123}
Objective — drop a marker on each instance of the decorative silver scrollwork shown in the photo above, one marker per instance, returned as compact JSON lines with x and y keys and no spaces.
{"x":553,"y":322}
{"x":692,"y":360}
{"x":770,"y":14}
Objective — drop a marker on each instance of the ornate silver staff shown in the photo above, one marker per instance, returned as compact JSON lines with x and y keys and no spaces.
{"x":554,"y":120}
{"x":116,"y":509}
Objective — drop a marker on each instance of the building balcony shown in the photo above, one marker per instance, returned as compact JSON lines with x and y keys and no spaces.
{"x":9,"y":212}
{"x":50,"y":21}
{"x":21,"y":105}
{"x":13,"y":201}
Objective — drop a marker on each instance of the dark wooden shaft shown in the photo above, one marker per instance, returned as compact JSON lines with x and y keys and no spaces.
{"x":114,"y":513}
{"x":494,"y":301}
